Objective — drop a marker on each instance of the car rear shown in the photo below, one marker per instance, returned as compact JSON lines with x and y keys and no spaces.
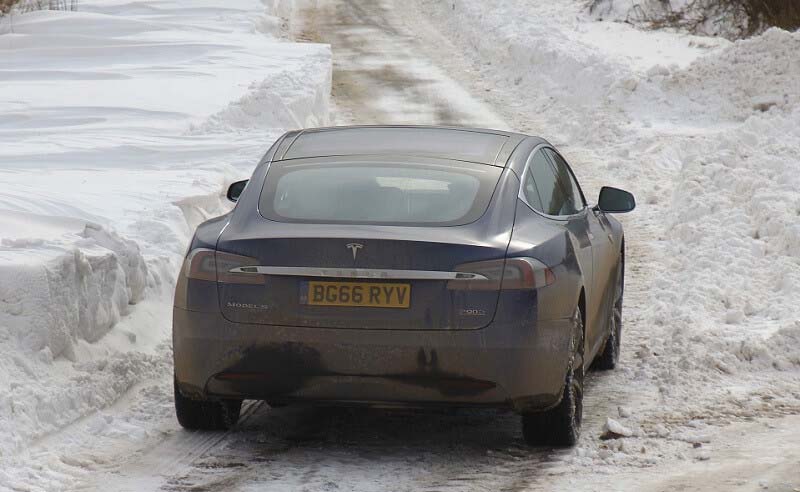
{"x":358,"y":244}
{"x":369,"y":279}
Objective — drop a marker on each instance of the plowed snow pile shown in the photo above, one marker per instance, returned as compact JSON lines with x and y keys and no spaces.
{"x":120,"y":125}
{"x":706,"y":133}
{"x":749,"y":76}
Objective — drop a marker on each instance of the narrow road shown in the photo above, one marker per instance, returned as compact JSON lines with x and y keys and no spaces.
{"x":379,"y":76}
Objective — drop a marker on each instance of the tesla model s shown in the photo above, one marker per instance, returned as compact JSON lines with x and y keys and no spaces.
{"x":403,"y":266}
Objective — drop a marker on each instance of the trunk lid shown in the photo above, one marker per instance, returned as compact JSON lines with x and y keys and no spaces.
{"x":311,"y":275}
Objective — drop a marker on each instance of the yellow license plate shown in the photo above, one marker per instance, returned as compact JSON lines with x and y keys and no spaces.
{"x":359,"y":294}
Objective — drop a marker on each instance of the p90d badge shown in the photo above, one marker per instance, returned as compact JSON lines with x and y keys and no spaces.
{"x":472,"y":312}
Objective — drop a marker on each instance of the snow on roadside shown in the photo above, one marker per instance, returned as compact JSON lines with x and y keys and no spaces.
{"x":706,"y":136}
{"x":734,"y":84}
{"x":120,"y":125}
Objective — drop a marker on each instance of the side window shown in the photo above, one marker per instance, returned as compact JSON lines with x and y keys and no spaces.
{"x":551,"y":196}
{"x":567,"y":182}
{"x":530,"y":192}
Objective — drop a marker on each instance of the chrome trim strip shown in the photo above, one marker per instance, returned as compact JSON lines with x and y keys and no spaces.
{"x":373,"y":273}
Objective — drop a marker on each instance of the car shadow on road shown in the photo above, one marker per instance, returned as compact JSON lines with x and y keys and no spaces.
{"x":475,"y":429}
{"x":422,"y":449}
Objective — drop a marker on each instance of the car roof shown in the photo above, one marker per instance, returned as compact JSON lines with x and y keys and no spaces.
{"x":481,"y":146}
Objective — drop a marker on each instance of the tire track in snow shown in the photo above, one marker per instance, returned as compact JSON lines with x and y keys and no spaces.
{"x":167,"y":461}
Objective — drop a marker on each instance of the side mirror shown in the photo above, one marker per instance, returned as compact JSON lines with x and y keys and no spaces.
{"x":614,"y":200}
{"x":235,"y":190}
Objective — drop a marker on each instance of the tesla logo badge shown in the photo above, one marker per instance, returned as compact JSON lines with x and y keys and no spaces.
{"x":354,"y":247}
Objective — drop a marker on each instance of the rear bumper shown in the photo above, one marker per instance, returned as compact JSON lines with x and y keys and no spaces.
{"x":519,"y":366}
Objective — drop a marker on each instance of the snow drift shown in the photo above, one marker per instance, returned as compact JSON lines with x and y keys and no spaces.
{"x":120,"y":126}
{"x":88,"y":278}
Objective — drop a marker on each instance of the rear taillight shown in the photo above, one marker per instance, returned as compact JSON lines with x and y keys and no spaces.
{"x":201,"y":265}
{"x":216,"y":266}
{"x":526,"y":273}
{"x":508,"y":274}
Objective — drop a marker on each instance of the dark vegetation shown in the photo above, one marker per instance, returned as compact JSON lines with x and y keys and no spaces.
{"x":767,"y":13}
{"x":29,"y":5}
{"x":5,"y":5}
{"x":732,"y":19}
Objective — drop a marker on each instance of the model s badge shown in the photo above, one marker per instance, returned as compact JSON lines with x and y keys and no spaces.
{"x":246,"y":305}
{"x":354,"y":247}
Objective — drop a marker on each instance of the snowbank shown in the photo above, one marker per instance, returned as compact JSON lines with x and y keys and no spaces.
{"x":120,"y":126}
{"x":566,"y":66}
{"x":60,"y":285}
{"x":706,"y":135}
{"x":745,"y":78}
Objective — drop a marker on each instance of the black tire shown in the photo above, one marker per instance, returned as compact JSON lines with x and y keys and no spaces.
{"x":561,"y":425}
{"x":205,"y":414}
{"x":609,"y":357}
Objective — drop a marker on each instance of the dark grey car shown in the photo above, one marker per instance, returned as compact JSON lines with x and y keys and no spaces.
{"x":403,"y":266}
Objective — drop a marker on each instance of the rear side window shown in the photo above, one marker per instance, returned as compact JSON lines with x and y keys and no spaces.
{"x":552,"y":198}
{"x":378,"y":193}
{"x":567,"y":180}
{"x":531,"y":192}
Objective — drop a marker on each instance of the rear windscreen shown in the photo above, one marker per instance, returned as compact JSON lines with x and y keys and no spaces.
{"x":378,"y":193}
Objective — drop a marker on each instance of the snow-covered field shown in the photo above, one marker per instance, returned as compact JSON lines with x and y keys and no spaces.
{"x":121,"y":123}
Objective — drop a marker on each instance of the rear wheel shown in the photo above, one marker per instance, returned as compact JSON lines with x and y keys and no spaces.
{"x":205,"y":414}
{"x":609,"y":358}
{"x":561,"y":425}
